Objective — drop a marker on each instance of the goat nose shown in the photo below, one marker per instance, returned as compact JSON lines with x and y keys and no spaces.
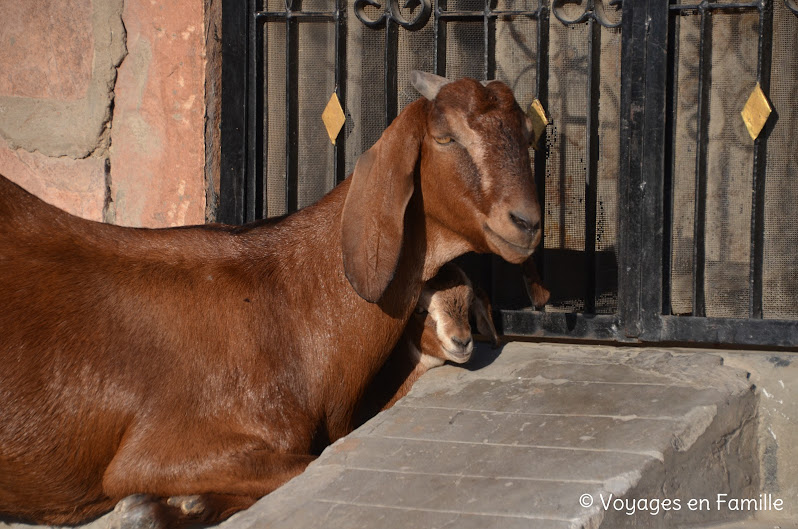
{"x":461,"y":341}
{"x":523,"y":223}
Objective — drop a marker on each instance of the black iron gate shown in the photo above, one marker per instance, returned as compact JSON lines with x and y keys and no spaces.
{"x":664,"y":220}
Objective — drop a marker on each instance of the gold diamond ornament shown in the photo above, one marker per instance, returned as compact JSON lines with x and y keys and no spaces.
{"x":539,"y":121}
{"x":756,"y":112}
{"x":333,"y":117}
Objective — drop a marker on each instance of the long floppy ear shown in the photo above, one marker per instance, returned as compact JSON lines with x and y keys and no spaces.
{"x":373,"y":216}
{"x":482,"y":314}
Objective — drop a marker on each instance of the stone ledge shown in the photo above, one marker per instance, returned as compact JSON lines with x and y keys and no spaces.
{"x":516,"y":440}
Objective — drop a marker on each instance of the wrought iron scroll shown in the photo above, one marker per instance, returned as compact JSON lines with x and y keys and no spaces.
{"x":589,"y":12}
{"x":394,"y":14}
{"x":391,"y":19}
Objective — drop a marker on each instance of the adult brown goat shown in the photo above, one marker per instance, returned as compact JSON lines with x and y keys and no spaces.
{"x":217,"y":361}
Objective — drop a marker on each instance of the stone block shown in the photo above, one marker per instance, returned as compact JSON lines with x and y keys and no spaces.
{"x":503,"y":460}
{"x":519,"y":439}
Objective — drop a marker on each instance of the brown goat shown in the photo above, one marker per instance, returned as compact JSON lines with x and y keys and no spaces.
{"x":218,"y":362}
{"x":439,"y":330}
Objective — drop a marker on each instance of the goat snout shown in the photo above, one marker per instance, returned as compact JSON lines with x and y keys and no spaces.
{"x":523,"y":223}
{"x":460,"y":347}
{"x":514,"y":232}
{"x":461,"y":341}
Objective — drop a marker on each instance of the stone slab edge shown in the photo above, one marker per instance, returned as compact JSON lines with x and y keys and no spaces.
{"x":700,"y":428}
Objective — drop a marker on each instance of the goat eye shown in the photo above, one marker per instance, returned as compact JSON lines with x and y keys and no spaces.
{"x":444,"y":140}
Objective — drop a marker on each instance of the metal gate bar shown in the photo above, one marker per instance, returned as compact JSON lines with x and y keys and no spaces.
{"x":591,"y":167}
{"x":765,"y":53}
{"x":702,"y":150}
{"x":643,"y":102}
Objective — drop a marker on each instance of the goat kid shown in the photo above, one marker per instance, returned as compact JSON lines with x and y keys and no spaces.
{"x":215,"y":363}
{"x":439,"y":330}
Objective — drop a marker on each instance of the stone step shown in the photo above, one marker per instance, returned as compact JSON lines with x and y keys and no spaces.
{"x":540,"y":436}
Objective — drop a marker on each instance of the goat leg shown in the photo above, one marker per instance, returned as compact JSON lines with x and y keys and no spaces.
{"x":138,"y":511}
{"x":178,"y":497}
{"x":143,"y":511}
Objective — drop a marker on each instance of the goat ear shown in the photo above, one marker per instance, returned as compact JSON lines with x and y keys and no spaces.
{"x":372,"y":221}
{"x":427,"y":84}
{"x":483,"y":315}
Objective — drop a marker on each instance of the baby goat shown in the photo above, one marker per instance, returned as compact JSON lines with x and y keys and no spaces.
{"x":219,"y":362}
{"x":439,"y":330}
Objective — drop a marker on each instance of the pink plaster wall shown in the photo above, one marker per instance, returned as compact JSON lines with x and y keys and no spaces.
{"x":158,"y":147}
{"x":146,"y":166}
{"x":46,"y":55}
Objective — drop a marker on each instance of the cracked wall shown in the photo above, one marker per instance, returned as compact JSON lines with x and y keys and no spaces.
{"x":102,"y":107}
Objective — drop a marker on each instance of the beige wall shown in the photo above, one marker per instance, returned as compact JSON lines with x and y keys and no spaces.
{"x":103,"y":104}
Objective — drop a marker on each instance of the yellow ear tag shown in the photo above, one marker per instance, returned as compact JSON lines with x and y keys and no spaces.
{"x":333,"y":117}
{"x":539,"y":121}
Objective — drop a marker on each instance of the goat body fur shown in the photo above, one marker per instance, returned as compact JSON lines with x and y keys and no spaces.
{"x":216,"y":360}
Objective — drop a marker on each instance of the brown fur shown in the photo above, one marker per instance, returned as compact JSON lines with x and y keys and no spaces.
{"x":219,"y":361}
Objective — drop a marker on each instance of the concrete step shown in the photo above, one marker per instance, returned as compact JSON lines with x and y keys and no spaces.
{"x":541,"y":436}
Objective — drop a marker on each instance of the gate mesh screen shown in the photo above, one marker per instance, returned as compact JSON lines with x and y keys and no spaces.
{"x":274,"y":119}
{"x":316,"y":84}
{"x":566,"y":167}
{"x":780,"y":282}
{"x":733,"y":41}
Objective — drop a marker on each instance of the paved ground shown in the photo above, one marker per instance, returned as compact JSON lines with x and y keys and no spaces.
{"x":522,"y":437}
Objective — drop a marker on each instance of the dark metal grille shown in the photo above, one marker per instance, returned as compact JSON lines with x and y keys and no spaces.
{"x":663,"y":220}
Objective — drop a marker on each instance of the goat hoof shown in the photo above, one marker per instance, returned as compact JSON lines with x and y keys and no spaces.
{"x":189,"y":505}
{"x":137,"y":511}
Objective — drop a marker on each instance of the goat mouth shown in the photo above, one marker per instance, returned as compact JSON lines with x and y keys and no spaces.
{"x":509,"y":251}
{"x":459,"y":357}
